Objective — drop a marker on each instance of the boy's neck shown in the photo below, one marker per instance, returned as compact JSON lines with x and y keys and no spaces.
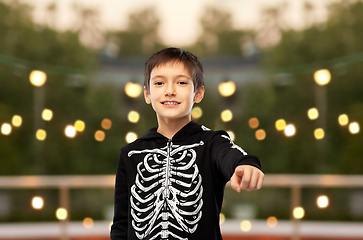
{"x":169,"y":128}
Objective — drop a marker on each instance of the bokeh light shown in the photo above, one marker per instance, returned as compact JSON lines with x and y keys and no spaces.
{"x":260,"y":134}
{"x":322,"y":77}
{"x":319,"y":133}
{"x":37,"y":78}
{"x":280,"y":124}
{"x":298,"y":212}
{"x":197,"y":112}
{"x":222,"y":218}
{"x":16,"y":121}
{"x":37,"y":202}
{"x":130,"y":137}
{"x":343,"y":119}
{"x":133,"y":116}
{"x":100,"y":135}
{"x":253,"y":123}
{"x":79,"y":125}
{"x":6,"y":128}
{"x":47,"y":114}
{"x":41,"y":134}
{"x":61,"y":214}
{"x":322,"y":201}
{"x":354,"y":128}
{"x":290,"y":130}
{"x":313,"y":113}
{"x":106,"y":123}
{"x":133,"y":90}
{"x":231,"y":135}
{"x":226,"y":115}
{"x":227,"y":89}
{"x":87,"y":222}
{"x":70,"y":131}
{"x":272,"y":222}
{"x":245,"y":225}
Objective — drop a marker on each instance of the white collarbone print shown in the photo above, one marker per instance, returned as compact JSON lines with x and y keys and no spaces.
{"x":166,"y":199}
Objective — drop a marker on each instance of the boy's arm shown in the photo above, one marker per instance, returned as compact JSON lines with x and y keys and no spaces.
{"x":246,"y":177}
{"x":120,"y":219}
{"x":231,"y":159}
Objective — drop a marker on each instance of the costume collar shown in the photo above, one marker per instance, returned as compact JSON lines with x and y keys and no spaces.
{"x":191,"y":128}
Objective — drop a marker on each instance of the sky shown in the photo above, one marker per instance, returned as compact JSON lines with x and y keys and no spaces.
{"x":179,"y":18}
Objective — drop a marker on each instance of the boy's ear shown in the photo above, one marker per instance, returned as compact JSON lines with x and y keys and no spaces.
{"x":147,"y":96}
{"x":199,"y":95}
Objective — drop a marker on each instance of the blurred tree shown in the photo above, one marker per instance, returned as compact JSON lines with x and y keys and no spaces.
{"x":140,"y":38}
{"x":336,"y":45}
{"x":24,"y":47}
{"x":219,"y":37}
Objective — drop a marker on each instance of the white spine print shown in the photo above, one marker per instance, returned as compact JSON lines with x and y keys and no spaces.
{"x":166,"y":198}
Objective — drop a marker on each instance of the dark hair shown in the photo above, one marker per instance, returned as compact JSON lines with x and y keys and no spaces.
{"x":175,"y":55}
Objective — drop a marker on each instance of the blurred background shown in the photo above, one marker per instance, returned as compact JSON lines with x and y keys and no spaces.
{"x":284,"y":78}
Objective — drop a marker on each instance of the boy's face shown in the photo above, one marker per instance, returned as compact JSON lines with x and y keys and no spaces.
{"x":172,"y":92}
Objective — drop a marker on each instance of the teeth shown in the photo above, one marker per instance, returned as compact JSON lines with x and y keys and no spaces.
{"x":170,"y":103}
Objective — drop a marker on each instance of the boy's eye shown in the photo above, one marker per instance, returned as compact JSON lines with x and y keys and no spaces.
{"x":158,"y":83}
{"x":183,"y":82}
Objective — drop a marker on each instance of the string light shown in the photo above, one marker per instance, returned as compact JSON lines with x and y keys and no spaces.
{"x":133,"y":116}
{"x":37,"y":78}
{"x":290,"y":130}
{"x":37,"y":202}
{"x":61,"y":214}
{"x":47,"y":114}
{"x":354,"y":128}
{"x":130,"y":137}
{"x":343,"y":119}
{"x":6,"y":128}
{"x":280,"y":124}
{"x":226,"y":115}
{"x":298,"y":212}
{"x":88,"y":222}
{"x":272,"y":222}
{"x":133,"y":90}
{"x":197,"y":113}
{"x":322,"y":201}
{"x":319,"y":133}
{"x":313,"y":113}
{"x":106,"y":124}
{"x":322,"y":77}
{"x":100,"y":135}
{"x":79,"y":125}
{"x":260,"y":134}
{"x":227,"y":89}
{"x":253,"y":123}
{"x":16,"y":121}
{"x":222,"y":218}
{"x":70,"y":131}
{"x":231,"y":135}
{"x":41,"y":134}
{"x":245,"y":226}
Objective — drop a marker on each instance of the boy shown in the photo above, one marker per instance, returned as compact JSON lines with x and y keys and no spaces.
{"x":170,"y":182}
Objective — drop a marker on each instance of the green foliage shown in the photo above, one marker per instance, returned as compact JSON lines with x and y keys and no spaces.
{"x":298,"y":55}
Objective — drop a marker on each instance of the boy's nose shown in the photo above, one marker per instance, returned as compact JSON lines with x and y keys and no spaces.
{"x":170,"y":91}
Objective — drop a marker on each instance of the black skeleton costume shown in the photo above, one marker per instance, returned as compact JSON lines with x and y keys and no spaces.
{"x":173,"y":188}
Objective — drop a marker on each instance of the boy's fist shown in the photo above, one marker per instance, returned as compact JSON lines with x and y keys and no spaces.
{"x":246,"y":177}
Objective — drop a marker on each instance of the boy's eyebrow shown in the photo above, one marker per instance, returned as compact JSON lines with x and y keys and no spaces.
{"x":178,"y":76}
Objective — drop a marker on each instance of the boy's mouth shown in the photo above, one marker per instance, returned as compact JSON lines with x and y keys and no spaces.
{"x":170,"y":103}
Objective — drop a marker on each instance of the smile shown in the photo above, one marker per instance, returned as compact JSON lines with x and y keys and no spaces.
{"x":170,"y":103}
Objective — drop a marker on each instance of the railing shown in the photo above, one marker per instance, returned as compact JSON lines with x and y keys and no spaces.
{"x":65,"y":183}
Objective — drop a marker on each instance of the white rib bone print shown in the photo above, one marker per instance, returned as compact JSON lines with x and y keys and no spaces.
{"x":166,"y":198}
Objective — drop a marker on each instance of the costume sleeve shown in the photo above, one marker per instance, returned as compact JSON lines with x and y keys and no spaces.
{"x":120,"y":219}
{"x":227,"y":155}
